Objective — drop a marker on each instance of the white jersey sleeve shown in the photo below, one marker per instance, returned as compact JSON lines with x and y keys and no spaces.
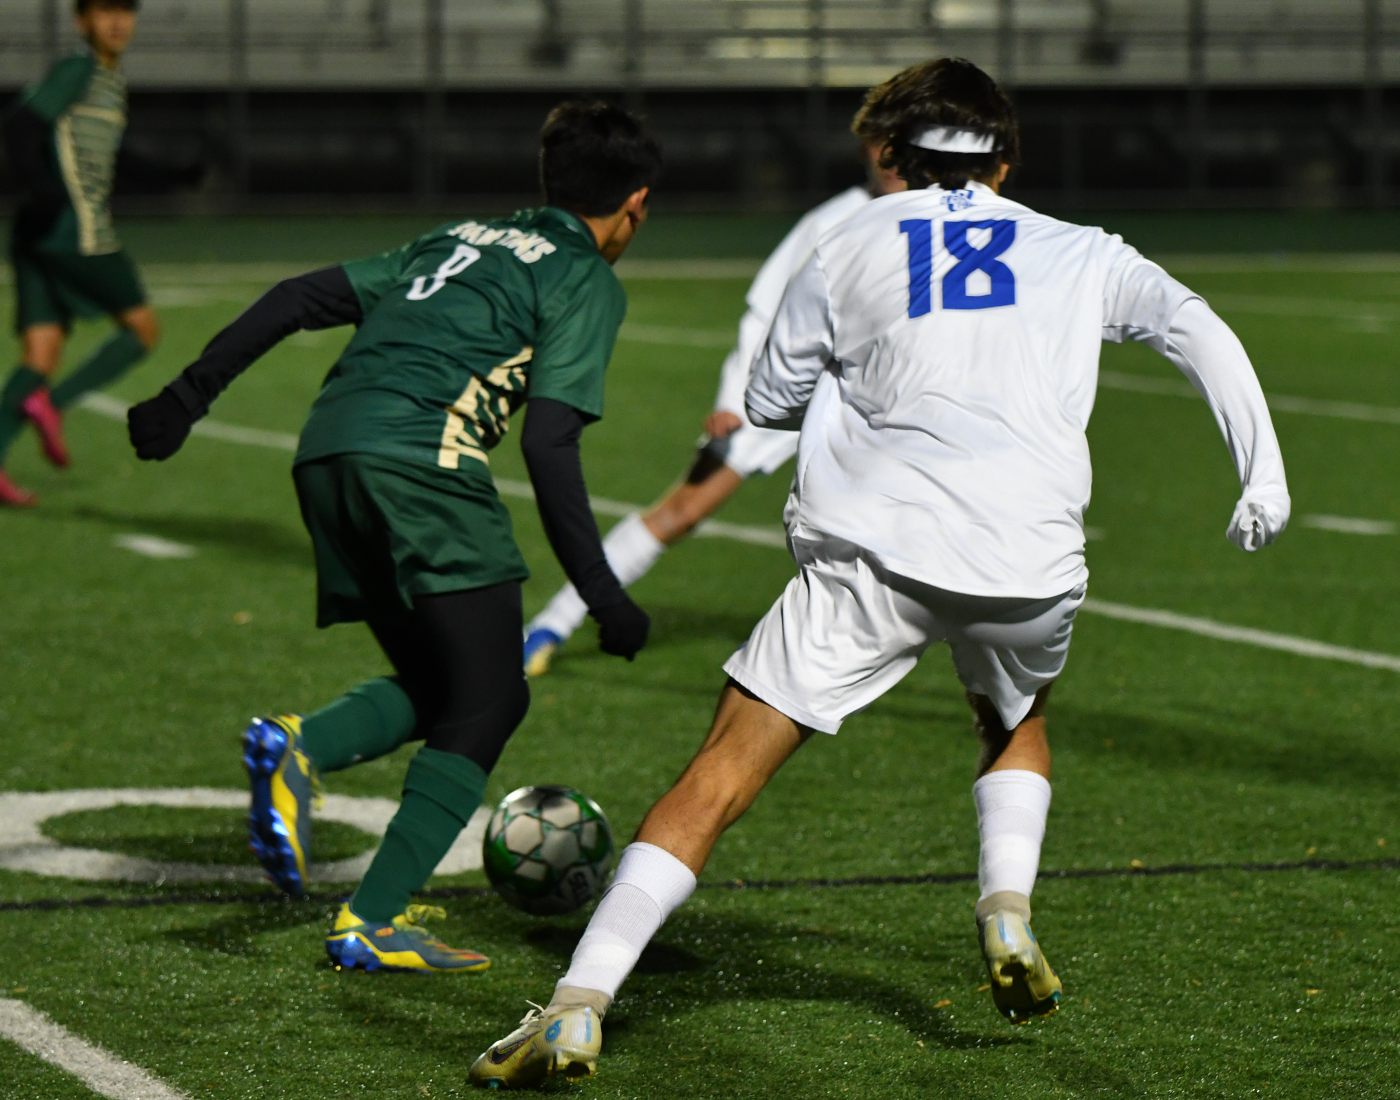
{"x":1145,"y":304}
{"x":792,"y":360}
{"x":1204,"y":349}
{"x":767,"y":288}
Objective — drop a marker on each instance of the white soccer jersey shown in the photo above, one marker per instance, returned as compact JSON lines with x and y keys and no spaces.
{"x":766,"y":291}
{"x":943,"y":348}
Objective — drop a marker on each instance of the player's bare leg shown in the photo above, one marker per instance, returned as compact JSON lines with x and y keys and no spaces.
{"x":747,"y":744}
{"x":137,"y":335}
{"x":1013,"y":796}
{"x":708,"y":485}
{"x":632,"y":548}
{"x":41,"y":351}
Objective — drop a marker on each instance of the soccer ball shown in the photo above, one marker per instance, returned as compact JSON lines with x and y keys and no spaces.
{"x":547,"y":850}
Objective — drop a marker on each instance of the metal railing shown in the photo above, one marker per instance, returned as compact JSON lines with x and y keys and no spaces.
{"x":732,"y":43}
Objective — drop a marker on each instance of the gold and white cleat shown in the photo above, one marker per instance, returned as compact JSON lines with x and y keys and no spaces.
{"x":1023,"y":983}
{"x":562,"y":1040}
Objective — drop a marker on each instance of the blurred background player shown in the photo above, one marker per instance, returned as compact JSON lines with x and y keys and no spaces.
{"x":63,"y":140}
{"x":734,"y":448}
{"x":456,"y":331}
{"x":939,"y":354}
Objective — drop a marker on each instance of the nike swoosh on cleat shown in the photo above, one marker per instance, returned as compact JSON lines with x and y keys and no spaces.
{"x":500,"y":1054}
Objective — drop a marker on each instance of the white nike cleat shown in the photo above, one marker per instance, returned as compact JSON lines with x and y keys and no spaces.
{"x":559,"y":1040}
{"x":1023,"y":983}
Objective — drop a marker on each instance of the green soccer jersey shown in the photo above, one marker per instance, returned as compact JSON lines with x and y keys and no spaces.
{"x":85,"y":103}
{"x":460,"y":327}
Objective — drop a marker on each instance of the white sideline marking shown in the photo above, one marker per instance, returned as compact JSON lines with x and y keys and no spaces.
{"x":24,"y":847}
{"x":1278,"y":402}
{"x":149,"y":546}
{"x":1209,"y":628}
{"x":101,"y":1071}
{"x":772,"y":536}
{"x":1348,"y":525}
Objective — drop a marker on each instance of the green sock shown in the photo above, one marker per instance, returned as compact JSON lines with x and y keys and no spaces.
{"x":367,"y":722}
{"x":440,"y":793}
{"x":108,"y":363}
{"x":20,"y":384}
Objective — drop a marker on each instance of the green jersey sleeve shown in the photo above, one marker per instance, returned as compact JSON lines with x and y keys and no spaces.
{"x":576,"y":341}
{"x":373,"y":276}
{"x":61,"y":88}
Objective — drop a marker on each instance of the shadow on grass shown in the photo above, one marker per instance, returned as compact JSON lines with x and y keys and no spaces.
{"x":1267,"y":748}
{"x":248,"y":538}
{"x":744,"y":959}
{"x":236,"y":933}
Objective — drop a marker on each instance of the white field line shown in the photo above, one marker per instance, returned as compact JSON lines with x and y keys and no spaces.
{"x":1302,"y":263}
{"x":103,"y":1072}
{"x":1209,"y":628}
{"x":149,"y":546}
{"x":25,"y":847}
{"x":1278,"y":402}
{"x":772,"y":536}
{"x":1349,"y":525}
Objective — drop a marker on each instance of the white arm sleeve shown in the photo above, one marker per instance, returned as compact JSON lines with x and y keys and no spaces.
{"x":1204,"y":349}
{"x":799,"y":348}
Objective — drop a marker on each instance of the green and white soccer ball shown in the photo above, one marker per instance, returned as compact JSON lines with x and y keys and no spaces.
{"x":548,"y":850}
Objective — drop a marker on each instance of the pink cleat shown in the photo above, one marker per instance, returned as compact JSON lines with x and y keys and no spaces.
{"x":48,"y":421}
{"x":11,"y":495}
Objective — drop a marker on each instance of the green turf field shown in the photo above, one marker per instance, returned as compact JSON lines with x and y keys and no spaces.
{"x":121,"y":670}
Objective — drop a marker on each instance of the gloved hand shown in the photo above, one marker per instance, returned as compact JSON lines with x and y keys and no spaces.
{"x":1258,"y":520}
{"x":622,"y":628}
{"x":158,"y":427}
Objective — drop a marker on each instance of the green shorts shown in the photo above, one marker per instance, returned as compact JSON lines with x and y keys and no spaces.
{"x":52,"y":288}
{"x":386,"y":531}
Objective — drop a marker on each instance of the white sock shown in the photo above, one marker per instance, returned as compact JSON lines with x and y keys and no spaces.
{"x":1011,"y":809}
{"x":631,"y":550}
{"x":649,"y":885}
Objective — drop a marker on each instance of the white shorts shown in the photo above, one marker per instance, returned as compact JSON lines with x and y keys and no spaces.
{"x":749,"y":450}
{"x":845,"y":631}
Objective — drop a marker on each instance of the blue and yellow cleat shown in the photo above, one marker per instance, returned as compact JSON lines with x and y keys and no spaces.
{"x":562,"y":1040}
{"x":401,"y":945}
{"x":540,"y":647}
{"x":1023,"y":982}
{"x":285,"y":790}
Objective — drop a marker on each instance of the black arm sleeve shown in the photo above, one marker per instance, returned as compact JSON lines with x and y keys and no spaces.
{"x":316,"y":300}
{"x":550,"y":445}
{"x":27,"y":149}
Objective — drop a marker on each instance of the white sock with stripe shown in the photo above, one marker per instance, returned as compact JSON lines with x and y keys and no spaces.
{"x":649,"y":886}
{"x":1012,"y":806}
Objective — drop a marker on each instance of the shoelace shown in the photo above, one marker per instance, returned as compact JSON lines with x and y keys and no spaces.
{"x":536,"y":1011}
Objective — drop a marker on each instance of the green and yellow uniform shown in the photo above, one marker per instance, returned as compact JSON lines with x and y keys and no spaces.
{"x":460,"y":328}
{"x":74,"y":266}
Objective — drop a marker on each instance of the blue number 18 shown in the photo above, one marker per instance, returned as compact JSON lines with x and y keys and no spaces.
{"x":970,"y":259}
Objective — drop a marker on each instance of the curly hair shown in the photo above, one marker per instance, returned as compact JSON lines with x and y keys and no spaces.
{"x":950,"y":91}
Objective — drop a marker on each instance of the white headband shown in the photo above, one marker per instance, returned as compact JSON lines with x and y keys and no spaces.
{"x":956,"y":139}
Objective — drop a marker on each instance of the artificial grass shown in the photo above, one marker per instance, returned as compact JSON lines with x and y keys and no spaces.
{"x":122,"y":670}
{"x":186,"y":835}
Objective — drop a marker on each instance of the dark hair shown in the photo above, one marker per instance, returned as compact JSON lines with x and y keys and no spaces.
{"x":593,"y":155}
{"x":82,"y":7}
{"x":946,"y":92}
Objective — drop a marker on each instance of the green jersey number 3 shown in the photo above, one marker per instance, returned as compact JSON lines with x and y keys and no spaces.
{"x":463,"y":256}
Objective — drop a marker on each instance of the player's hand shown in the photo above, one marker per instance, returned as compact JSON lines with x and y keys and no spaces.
{"x":622,"y":628}
{"x":1258,"y":520}
{"x":720,"y":424}
{"x":159,"y":426}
